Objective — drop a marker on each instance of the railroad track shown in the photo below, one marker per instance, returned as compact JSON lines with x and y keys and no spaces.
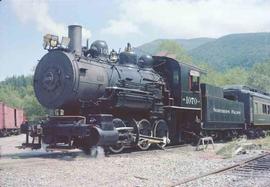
{"x":258,"y":167}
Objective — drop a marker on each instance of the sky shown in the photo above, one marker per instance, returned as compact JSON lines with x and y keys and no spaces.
{"x":24,"y":22}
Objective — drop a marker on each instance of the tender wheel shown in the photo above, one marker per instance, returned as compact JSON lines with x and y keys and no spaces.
{"x":144,"y":128}
{"x":161,"y":130}
{"x":119,"y":146}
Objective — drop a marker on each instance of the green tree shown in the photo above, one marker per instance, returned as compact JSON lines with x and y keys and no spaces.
{"x":231,"y":76}
{"x":173,"y":48}
{"x":259,"y":76}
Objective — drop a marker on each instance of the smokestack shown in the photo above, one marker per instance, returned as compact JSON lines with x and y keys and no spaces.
{"x":75,"y":35}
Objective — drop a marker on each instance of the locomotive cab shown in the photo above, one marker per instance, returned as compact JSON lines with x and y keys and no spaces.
{"x":183,"y":82}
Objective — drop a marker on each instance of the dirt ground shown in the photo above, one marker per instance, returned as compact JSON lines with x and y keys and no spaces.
{"x":152,"y":168}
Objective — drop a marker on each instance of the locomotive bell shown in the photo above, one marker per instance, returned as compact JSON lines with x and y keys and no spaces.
{"x":127,"y":58}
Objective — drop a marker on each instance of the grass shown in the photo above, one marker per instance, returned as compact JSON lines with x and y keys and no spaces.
{"x":265,"y":142}
{"x":229,"y":150}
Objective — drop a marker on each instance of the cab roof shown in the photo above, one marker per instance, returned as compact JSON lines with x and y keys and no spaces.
{"x":160,"y":60}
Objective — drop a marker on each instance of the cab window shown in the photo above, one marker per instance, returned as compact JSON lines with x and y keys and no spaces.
{"x":175,"y":77}
{"x":194,"y":81}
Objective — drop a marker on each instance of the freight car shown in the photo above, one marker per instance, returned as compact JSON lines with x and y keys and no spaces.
{"x":117,"y":100}
{"x":10,"y":120}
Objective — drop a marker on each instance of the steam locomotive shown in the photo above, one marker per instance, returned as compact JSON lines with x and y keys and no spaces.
{"x":117,"y":100}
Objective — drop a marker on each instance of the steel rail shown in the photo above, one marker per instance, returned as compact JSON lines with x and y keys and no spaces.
{"x":220,"y":170}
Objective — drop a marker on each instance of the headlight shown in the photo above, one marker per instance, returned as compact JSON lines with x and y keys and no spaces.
{"x":53,"y":43}
{"x":50,"y":41}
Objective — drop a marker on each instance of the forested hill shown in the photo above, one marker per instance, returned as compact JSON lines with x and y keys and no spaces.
{"x":234,"y":50}
{"x":187,"y":44}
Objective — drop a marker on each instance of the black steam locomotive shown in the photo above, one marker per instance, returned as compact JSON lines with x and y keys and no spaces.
{"x":118,"y":100}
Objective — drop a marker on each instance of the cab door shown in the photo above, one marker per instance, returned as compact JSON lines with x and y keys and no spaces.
{"x":175,"y":82}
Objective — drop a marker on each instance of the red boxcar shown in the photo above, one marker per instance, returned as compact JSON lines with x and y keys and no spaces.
{"x":10,"y":119}
{"x":1,"y":116}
